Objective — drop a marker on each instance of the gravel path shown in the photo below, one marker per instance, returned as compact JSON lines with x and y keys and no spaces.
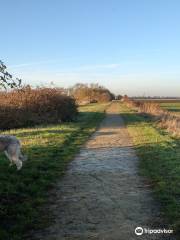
{"x":101,"y":196}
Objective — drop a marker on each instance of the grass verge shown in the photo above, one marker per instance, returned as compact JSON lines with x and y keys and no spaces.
{"x":159,"y":155}
{"x":49,"y":149}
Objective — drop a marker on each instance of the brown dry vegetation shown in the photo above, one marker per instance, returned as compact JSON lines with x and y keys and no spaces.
{"x":90,"y":94}
{"x":166,"y":119}
{"x":28,"y":107}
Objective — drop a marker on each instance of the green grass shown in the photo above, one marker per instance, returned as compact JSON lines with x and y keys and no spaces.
{"x":159,"y":155}
{"x":173,"y":107}
{"x":49,"y":148}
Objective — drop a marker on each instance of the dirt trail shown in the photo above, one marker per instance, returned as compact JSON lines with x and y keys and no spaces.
{"x":101,"y":196}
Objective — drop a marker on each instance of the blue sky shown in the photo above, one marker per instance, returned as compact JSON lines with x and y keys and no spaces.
{"x":130,"y":46}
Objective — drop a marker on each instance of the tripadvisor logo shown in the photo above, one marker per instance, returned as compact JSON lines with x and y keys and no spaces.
{"x":139,"y":231}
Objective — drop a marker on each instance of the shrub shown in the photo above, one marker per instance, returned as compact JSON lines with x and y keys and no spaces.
{"x":27,"y":107}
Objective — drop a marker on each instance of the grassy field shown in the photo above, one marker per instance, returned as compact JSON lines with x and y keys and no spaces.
{"x":49,"y":149}
{"x":159,"y":155}
{"x":173,"y":107}
{"x":156,"y":100}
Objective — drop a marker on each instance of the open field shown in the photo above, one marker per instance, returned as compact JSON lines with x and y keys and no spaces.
{"x":159,"y":155}
{"x":158,"y":100}
{"x":173,"y":106}
{"x":49,"y":149}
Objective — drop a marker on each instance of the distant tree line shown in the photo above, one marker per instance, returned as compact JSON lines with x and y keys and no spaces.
{"x":90,"y":93}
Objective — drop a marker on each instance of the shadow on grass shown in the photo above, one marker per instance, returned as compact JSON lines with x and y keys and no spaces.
{"x":134,"y":118}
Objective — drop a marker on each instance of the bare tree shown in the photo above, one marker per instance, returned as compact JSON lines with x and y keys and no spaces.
{"x":6,"y":79}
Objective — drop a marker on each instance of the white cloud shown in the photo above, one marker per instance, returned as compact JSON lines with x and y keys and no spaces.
{"x":29,"y":64}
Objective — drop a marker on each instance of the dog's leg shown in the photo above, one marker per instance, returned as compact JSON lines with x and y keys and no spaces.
{"x":18,"y":163}
{"x":16,"y":160}
{"x":13,"y":153}
{"x":8,"y":156}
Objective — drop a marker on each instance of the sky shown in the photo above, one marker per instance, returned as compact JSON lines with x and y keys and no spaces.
{"x":129,"y":46}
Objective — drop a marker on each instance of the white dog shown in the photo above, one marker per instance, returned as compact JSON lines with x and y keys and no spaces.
{"x":11,"y":146}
